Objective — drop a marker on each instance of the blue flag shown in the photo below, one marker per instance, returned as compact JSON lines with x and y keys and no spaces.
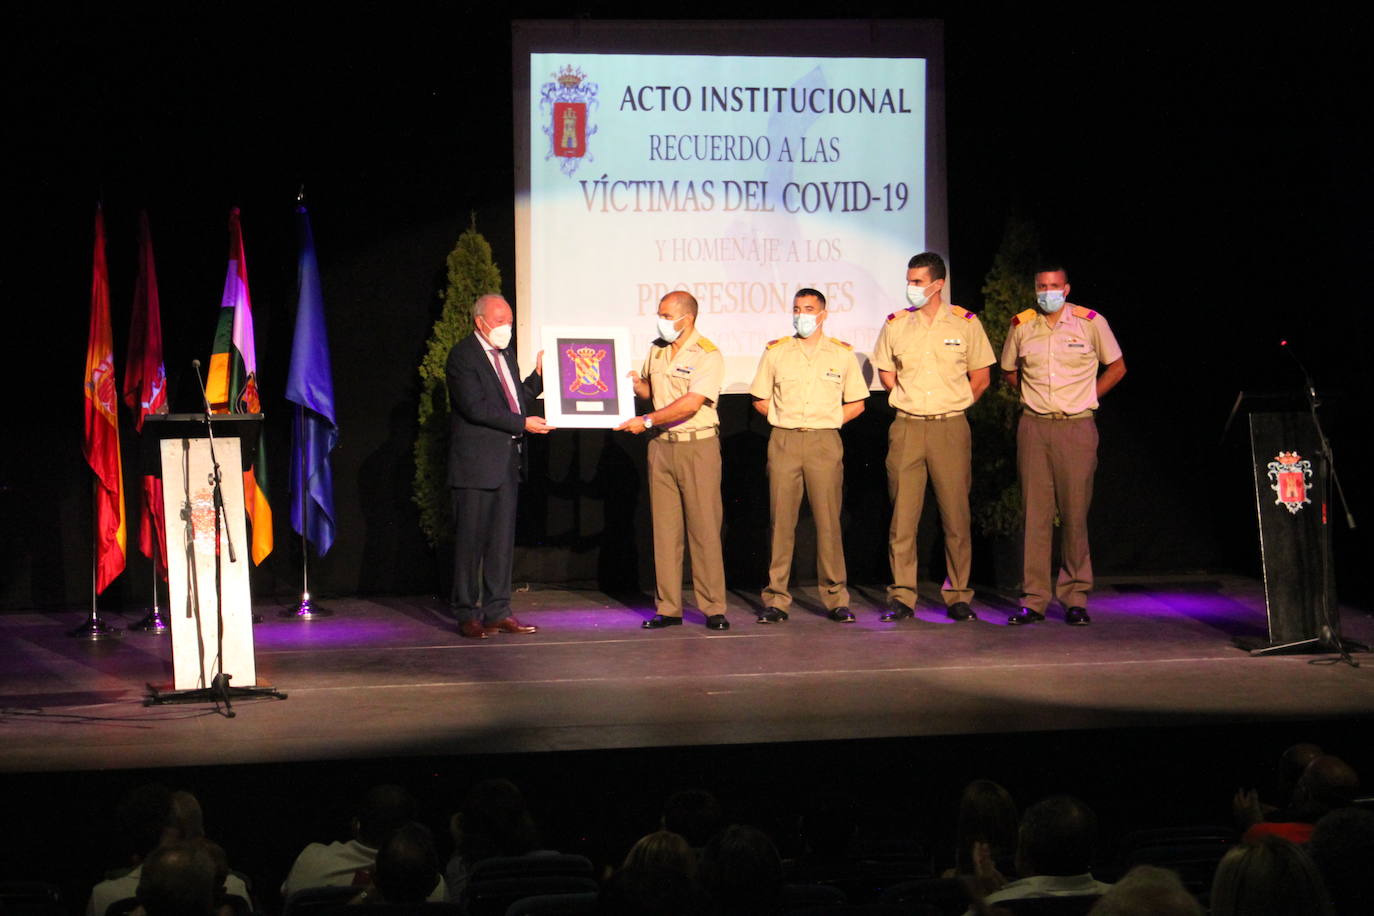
{"x":310,"y":386}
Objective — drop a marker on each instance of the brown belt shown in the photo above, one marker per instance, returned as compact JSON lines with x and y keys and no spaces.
{"x":707,"y":433}
{"x":1058,"y":415}
{"x":903,"y":415}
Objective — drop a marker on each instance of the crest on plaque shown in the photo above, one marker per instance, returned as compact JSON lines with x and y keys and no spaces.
{"x":1290,"y":475}
{"x":566,"y":103}
{"x":586,"y":363}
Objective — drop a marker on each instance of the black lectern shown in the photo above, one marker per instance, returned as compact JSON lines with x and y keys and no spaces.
{"x":1295,"y":531}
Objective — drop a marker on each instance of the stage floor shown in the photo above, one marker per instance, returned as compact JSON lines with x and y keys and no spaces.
{"x":391,"y":677}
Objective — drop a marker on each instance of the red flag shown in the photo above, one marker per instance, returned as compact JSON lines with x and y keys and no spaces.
{"x":101,"y":443}
{"x":145,"y":388}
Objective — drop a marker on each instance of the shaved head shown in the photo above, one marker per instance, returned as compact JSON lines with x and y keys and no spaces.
{"x":682,"y":302}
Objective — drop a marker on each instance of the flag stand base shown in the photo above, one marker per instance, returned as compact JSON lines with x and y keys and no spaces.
{"x":306,"y":610}
{"x":218,"y":692}
{"x":95,"y":630}
{"x":152,"y":623}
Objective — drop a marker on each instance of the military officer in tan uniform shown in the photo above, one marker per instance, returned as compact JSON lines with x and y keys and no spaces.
{"x":682,"y":377}
{"x":1051,"y":356}
{"x":934,"y":360}
{"x":808,"y":386}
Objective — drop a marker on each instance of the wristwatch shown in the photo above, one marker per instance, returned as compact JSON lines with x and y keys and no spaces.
{"x":648,"y":420}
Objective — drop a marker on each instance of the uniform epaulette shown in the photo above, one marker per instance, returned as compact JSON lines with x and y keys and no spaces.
{"x":1085,"y":313}
{"x":774,"y":343}
{"x":706,"y":345}
{"x":842,"y":343}
{"x":1022,"y":317}
{"x":961,"y":313}
{"x":900,"y":312}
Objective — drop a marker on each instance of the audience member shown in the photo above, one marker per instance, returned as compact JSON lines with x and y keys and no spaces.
{"x":149,"y":817}
{"x":187,"y":819}
{"x":225,"y":903}
{"x":407,"y":869}
{"x":1271,"y":877}
{"x":493,"y":821}
{"x":1148,"y":890}
{"x":1054,"y":852}
{"x":177,"y":879}
{"x":741,"y":872}
{"x":693,"y":814}
{"x":662,"y":849}
{"x":987,"y":814}
{"x":1328,"y":783}
{"x":382,"y":811}
{"x":651,"y":891}
{"x":1342,"y":846}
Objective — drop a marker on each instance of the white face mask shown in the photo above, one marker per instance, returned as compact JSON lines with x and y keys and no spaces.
{"x":805,"y":325}
{"x":1050,"y":300}
{"x":916,"y":295}
{"x":668,"y":329}
{"x":499,"y":336}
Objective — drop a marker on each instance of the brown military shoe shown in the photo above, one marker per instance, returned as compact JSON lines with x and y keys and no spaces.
{"x":472,"y":629}
{"x":509,"y":625}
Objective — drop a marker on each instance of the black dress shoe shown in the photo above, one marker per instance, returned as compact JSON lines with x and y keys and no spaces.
{"x":896,"y":611}
{"x":718,"y":622}
{"x":1077,"y":617}
{"x":960,"y":610}
{"x":1025,"y":616}
{"x":658,"y":622}
{"x":770,"y":615}
{"x":840,"y":615}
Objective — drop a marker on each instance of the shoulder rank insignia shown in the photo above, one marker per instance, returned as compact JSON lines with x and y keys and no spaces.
{"x":961,"y":313}
{"x":1022,"y":317}
{"x":706,"y":345}
{"x":841,"y":343}
{"x":773,"y":343}
{"x":1081,"y":312}
{"x":900,"y":312}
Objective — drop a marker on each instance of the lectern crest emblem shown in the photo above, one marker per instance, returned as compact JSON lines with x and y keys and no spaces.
{"x":1289,"y":477}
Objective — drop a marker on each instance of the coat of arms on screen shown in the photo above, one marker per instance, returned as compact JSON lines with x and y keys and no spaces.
{"x":566,"y":103}
{"x":1289,"y":476}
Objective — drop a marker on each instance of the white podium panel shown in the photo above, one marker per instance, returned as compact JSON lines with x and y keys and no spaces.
{"x":188,"y":500}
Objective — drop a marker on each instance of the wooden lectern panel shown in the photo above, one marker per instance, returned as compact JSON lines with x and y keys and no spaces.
{"x":188,"y":501}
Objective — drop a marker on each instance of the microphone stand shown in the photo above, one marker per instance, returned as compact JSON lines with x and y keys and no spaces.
{"x":218,"y":690}
{"x":1328,"y":638}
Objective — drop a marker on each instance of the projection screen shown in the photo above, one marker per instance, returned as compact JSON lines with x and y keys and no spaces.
{"x":740,"y":161}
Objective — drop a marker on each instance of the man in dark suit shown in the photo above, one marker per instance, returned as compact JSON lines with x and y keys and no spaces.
{"x":490,"y":415}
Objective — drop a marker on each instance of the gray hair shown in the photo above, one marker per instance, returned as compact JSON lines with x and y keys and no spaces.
{"x":480,"y":306}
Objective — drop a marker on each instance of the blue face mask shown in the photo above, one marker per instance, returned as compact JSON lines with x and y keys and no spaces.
{"x":1050,"y":300}
{"x":803,"y":324}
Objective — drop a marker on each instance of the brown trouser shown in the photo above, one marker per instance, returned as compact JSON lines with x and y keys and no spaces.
{"x":684,"y":495}
{"x":1055,"y":461}
{"x":940,"y":449}
{"x":812,"y":460}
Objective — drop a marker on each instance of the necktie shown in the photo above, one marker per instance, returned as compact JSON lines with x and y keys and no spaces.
{"x":503,"y":377}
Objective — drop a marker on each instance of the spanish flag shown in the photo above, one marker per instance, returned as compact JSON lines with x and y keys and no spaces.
{"x":232,"y":385}
{"x":101,"y":443}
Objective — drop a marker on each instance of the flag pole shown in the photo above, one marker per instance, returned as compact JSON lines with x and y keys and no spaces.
{"x":304,"y":609}
{"x":93,"y":628}
{"x":153,"y":621}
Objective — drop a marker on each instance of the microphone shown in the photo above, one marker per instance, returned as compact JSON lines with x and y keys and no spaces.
{"x":204,"y":398}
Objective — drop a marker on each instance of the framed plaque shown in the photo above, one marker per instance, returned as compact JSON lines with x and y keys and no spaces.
{"x":584,"y":377}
